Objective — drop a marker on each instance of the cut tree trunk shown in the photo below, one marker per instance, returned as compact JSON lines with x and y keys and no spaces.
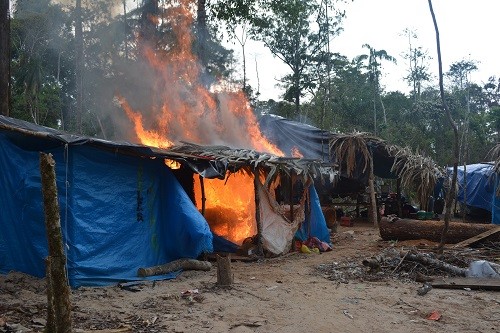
{"x":4,"y":57}
{"x":57,"y":282}
{"x":184,"y":264}
{"x":224,"y":275}
{"x":408,"y":229}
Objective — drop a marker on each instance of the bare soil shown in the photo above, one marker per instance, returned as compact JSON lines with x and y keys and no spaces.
{"x":328,"y":292}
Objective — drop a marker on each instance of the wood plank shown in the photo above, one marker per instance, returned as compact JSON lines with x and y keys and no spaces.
{"x":472,"y":283}
{"x":477,"y":238}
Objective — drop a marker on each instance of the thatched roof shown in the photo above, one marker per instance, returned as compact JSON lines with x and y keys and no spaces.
{"x":494,"y":154}
{"x":415,"y":170}
{"x":209,"y":161}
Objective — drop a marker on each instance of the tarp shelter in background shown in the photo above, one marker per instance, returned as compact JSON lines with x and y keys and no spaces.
{"x":480,"y":189}
{"x":311,"y":142}
{"x":121,"y":207}
{"x":389,"y":161}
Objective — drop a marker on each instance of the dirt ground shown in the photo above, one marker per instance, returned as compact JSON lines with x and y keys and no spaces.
{"x":328,"y":292}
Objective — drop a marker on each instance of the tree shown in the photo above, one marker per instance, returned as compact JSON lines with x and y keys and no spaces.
{"x":4,"y":57}
{"x":286,"y":28}
{"x":450,"y":195}
{"x":374,"y":58}
{"x":37,"y":30}
{"x":418,"y":71}
{"x":79,"y":64}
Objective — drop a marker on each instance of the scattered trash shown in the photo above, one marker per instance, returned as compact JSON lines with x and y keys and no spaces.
{"x":424,"y":289}
{"x":192,"y":295}
{"x":467,"y":289}
{"x":252,"y":278}
{"x":347,"y":314}
{"x":434,"y":315}
{"x":483,"y":269}
{"x":271,"y":288}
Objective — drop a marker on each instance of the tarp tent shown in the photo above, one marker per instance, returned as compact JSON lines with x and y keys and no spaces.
{"x":313,"y":143}
{"x":121,"y":208}
{"x":481,"y":188}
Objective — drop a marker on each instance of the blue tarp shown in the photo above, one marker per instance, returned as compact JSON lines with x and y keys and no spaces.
{"x":481,"y":188}
{"x":315,"y":223}
{"x":118,"y":213}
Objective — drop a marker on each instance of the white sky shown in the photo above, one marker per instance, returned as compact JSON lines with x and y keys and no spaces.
{"x":469,"y":30}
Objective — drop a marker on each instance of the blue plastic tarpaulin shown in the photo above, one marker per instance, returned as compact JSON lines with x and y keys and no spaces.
{"x":118,"y":213}
{"x":480,"y":189}
{"x":315,"y":223}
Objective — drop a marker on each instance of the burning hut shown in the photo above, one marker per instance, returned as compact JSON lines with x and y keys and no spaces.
{"x":125,"y":206}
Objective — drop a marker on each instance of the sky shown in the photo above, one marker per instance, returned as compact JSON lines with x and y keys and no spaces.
{"x":468,"y":31}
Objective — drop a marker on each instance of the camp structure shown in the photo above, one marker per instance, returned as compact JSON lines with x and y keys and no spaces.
{"x":478,"y":190}
{"x":124,"y":206}
{"x":358,"y":157}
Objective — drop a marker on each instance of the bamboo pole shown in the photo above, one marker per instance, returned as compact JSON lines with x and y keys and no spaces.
{"x":57,"y":282}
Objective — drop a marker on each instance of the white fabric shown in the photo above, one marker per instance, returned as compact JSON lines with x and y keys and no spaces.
{"x":277,"y":232}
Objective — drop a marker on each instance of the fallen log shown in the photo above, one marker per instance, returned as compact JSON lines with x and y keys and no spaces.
{"x":408,"y":229}
{"x":176,"y":265}
{"x":428,"y":261}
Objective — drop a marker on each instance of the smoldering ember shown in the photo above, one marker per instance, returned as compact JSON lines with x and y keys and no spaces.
{"x":146,"y":188}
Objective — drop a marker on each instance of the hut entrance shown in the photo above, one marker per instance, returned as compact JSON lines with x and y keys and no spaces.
{"x":229,"y":205}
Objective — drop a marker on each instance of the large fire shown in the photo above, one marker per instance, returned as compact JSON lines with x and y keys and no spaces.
{"x":189,"y":110}
{"x":229,"y":206}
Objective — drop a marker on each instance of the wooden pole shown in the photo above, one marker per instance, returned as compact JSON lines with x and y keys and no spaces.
{"x":398,"y":197}
{"x":260,"y":248}
{"x":373,"y":199}
{"x":203,"y":198}
{"x":57,"y":281}
{"x":291,"y":196}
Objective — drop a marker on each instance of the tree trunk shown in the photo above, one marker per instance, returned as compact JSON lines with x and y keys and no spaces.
{"x":450,"y":195}
{"x":79,"y":65}
{"x":147,"y":31}
{"x":202,"y":31}
{"x":4,"y":57}
{"x":125,"y":28}
{"x":408,"y":229}
{"x":57,"y":279}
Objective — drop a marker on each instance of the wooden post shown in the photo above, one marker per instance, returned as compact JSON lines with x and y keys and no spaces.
{"x":291,"y":197}
{"x":203,"y":198}
{"x":224,"y":275}
{"x":398,"y":197}
{"x":373,"y":199}
{"x":260,"y":249}
{"x":57,"y":281}
{"x":51,"y":317}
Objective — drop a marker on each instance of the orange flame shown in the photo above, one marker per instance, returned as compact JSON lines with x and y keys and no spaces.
{"x":188,"y":111}
{"x":230,"y":206}
{"x":296,"y":152}
{"x":185,"y":109}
